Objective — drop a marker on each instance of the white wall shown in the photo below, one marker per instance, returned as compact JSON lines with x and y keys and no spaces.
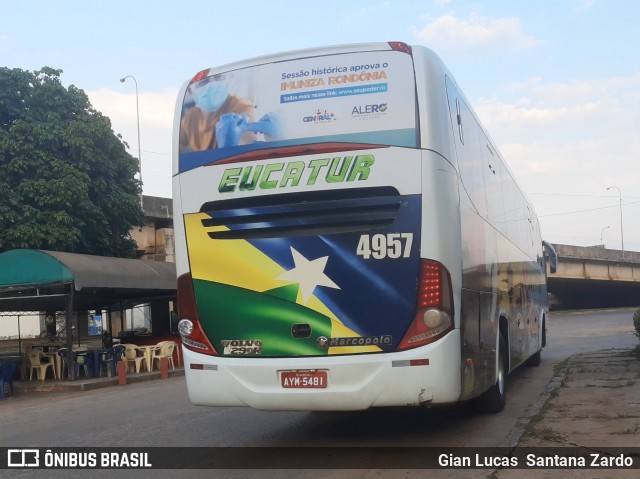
{"x":29,"y":327}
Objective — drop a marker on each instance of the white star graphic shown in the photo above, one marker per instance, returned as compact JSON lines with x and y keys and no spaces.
{"x":308,"y":274}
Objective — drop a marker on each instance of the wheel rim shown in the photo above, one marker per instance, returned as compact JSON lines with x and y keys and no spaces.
{"x":501,"y":377}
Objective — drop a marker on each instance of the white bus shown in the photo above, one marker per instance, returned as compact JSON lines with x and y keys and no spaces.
{"x":348,"y":236}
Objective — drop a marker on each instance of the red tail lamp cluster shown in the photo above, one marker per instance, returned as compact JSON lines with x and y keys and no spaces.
{"x":193,"y":337}
{"x":434,"y":307}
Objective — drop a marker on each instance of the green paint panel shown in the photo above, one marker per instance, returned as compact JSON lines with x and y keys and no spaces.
{"x":288,"y":293}
{"x":228,"y":313}
{"x":24,"y":267}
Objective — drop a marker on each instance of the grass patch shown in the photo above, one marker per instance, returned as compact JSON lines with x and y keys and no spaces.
{"x":629,"y":430}
{"x":626,"y":415}
{"x":558,"y":368}
{"x":547,"y":434}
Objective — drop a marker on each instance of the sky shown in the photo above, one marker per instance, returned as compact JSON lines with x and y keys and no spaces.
{"x":556,"y":83}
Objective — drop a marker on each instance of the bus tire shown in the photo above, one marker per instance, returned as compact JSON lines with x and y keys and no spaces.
{"x":495,"y":398}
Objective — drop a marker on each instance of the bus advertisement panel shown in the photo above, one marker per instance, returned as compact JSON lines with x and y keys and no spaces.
{"x":363,"y":98}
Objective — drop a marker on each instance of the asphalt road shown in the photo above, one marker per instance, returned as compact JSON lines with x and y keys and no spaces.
{"x":158,"y":413}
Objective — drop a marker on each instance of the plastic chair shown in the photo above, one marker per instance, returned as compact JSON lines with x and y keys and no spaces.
{"x":132,"y":356}
{"x":81,"y":362}
{"x":24,"y":360}
{"x":154,"y":350}
{"x":62,"y":352}
{"x":164,"y":351}
{"x":111,"y":357}
{"x":78,"y":362}
{"x":37,"y":363}
{"x":7,"y":370}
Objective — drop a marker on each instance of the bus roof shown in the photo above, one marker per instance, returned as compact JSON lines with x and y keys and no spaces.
{"x":302,"y":53}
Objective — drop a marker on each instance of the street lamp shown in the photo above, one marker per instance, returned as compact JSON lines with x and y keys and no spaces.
{"x":621,"y":231}
{"x":601,"y":243}
{"x":122,"y":80}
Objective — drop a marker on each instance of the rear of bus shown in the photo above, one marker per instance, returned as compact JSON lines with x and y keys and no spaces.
{"x":312,"y":231}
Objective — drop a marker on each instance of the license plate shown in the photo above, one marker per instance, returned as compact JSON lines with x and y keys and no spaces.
{"x":304,"y":379}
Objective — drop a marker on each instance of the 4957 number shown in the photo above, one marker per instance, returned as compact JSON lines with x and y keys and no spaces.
{"x":381,"y":246}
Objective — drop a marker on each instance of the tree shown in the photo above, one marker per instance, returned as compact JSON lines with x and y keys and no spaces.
{"x":67,"y":182}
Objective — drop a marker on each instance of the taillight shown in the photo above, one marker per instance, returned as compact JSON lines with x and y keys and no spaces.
{"x":200,"y":75}
{"x":400,"y":47}
{"x":434,"y":307}
{"x":193,"y":337}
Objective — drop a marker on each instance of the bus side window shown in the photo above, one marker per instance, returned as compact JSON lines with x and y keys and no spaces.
{"x":470,"y":160}
{"x":493,"y":185}
{"x":510,"y":206}
{"x":455,"y":112}
{"x":459,"y":121}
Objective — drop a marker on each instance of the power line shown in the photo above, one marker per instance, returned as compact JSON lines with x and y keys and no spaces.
{"x":578,"y":195}
{"x":588,"y":210}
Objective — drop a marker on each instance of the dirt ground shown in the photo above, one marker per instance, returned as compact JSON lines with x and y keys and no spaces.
{"x":594,"y":405}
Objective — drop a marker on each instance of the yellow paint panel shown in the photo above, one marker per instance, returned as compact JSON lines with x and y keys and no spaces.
{"x":236,"y":263}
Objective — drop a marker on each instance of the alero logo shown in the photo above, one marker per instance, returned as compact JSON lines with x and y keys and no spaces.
{"x":369,"y":109}
{"x":296,"y":173}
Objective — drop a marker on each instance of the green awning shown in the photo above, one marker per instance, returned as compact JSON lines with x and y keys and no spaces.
{"x":32,"y":280}
{"x":28,"y":267}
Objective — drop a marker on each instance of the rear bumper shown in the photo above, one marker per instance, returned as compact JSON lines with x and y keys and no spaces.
{"x":354,"y":382}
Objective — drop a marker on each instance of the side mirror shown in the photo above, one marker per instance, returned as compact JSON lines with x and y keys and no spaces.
{"x":550,"y":251}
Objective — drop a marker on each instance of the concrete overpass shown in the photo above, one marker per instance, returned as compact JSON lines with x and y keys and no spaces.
{"x":595,"y":277}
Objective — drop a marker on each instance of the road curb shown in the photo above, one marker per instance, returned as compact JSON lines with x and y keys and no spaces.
{"x":28,"y":387}
{"x":516,"y":432}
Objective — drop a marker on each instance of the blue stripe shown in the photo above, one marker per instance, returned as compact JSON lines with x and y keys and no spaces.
{"x":376,"y":297}
{"x":334,"y":93}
